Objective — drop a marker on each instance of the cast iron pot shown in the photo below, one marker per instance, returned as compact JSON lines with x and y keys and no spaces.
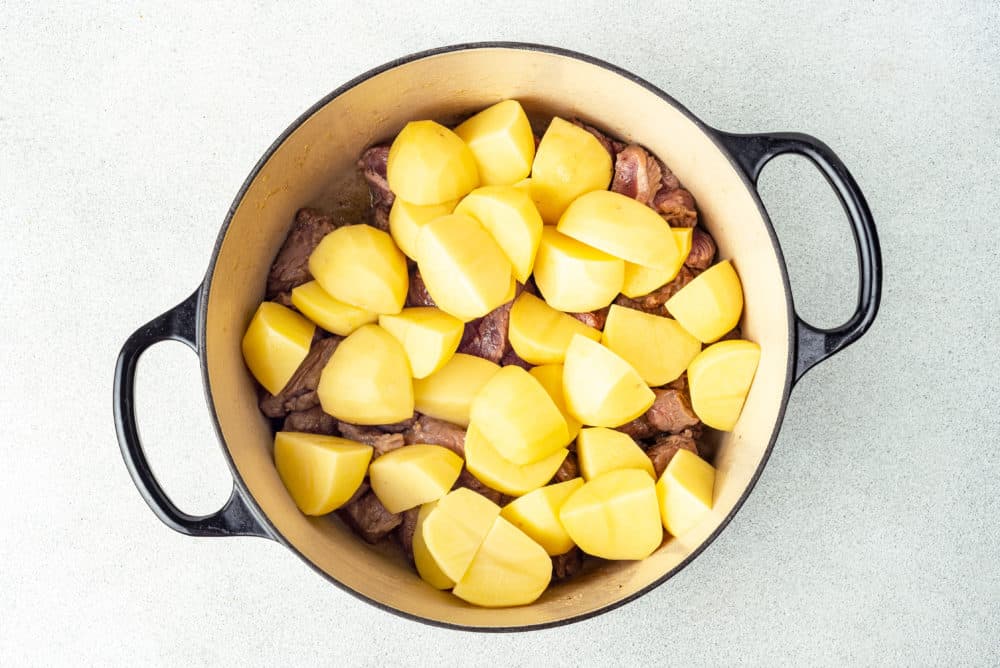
{"x":719,"y":168}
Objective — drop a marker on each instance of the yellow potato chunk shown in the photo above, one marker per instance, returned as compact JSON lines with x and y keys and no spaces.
{"x":540,"y":334}
{"x":601,"y":388}
{"x":640,"y":280}
{"x":330,"y":314}
{"x":465,"y":271}
{"x":367,"y":380}
{"x":509,"y":569}
{"x":537,"y":514}
{"x":426,"y":566}
{"x":719,"y":378}
{"x":412,"y":475}
{"x":361,"y":266}
{"x":600,"y":450}
{"x":685,"y":491}
{"x":406,"y":220}
{"x":620,"y":226}
{"x":656,"y":347}
{"x":615,"y":515}
{"x":500,"y":138}
{"x":511,"y":218}
{"x":575,"y":277}
{"x":568,"y":163}
{"x":519,"y":417}
{"x":551,"y":378}
{"x":486,"y":463}
{"x":456,"y":527}
{"x":430,"y":164}
{"x":428,"y":335}
{"x":447,"y":393}
{"x":320,"y":472}
{"x":711,"y":304}
{"x":275,"y":343}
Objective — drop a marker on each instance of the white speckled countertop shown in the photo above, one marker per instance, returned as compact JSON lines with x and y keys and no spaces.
{"x":873,"y":536}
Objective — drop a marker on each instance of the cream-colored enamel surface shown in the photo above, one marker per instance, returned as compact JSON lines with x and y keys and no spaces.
{"x":444,"y":86}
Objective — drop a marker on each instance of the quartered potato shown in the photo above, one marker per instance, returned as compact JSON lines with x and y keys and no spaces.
{"x":367,"y":380}
{"x":509,"y":569}
{"x":568,"y":163}
{"x":430,"y":164}
{"x":361,"y":266}
{"x":540,"y":334}
{"x":719,"y":378}
{"x":331,"y":314}
{"x":640,"y":280}
{"x":413,"y":475}
{"x":275,"y":343}
{"x":456,"y":527}
{"x":537,"y":514}
{"x":447,"y":394}
{"x":575,"y":277}
{"x":511,"y":218}
{"x":428,"y":335}
{"x":427,"y":568}
{"x":551,"y":378}
{"x":406,"y":220}
{"x":600,"y":450}
{"x":658,"y":348}
{"x":501,"y":140}
{"x":601,"y":388}
{"x":486,"y":462}
{"x":685,"y":491}
{"x":711,"y":304}
{"x":320,"y":472}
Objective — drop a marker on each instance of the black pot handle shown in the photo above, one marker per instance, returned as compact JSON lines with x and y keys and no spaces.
{"x":813,"y":344}
{"x":234,"y":518}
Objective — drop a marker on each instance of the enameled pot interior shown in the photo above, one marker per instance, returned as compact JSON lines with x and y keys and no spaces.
{"x":322,"y":151}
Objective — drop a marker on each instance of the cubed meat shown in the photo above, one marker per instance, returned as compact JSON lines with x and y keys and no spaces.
{"x":299,"y":394}
{"x":406,"y":529}
{"x":312,"y":420}
{"x":612,"y":146}
{"x":637,"y":174}
{"x":469,"y":481}
{"x":291,"y":266}
{"x":486,"y":337}
{"x":595,"y":319}
{"x":568,"y":470}
{"x":380,"y":441}
{"x":373,"y":165}
{"x":436,"y":432}
{"x":417,"y":294}
{"x":510,"y":357}
{"x":661,"y":452}
{"x":654,"y":301}
{"x":677,"y":207}
{"x":702,"y":250}
{"x":369,"y":518}
{"x":567,"y":565}
{"x":671,"y":412}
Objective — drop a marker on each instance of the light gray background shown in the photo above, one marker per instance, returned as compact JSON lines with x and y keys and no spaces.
{"x":872,"y":537}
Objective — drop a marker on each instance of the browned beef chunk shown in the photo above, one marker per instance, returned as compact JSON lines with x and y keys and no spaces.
{"x":734,"y":333}
{"x":398,"y":427}
{"x":637,"y":174}
{"x":469,"y":481}
{"x":512,"y":358}
{"x":406,"y":530}
{"x":676,"y":207}
{"x":373,"y":436}
{"x":702,"y":250}
{"x":379,"y":218}
{"x":654,"y":301}
{"x":639,"y":429}
{"x":373,"y":164}
{"x":612,"y":146}
{"x":568,"y":470}
{"x":666,"y":447}
{"x":291,"y":266}
{"x":595,"y":319}
{"x":437,"y":432}
{"x":486,"y":337}
{"x":285,"y":299}
{"x":671,"y":411}
{"x":359,"y":492}
{"x":680,"y":383}
{"x":299,"y":394}
{"x":567,"y":565}
{"x":668,"y":181}
{"x":312,"y":420}
{"x":417,"y":294}
{"x":369,"y":518}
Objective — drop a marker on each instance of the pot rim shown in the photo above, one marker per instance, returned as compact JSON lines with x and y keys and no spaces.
{"x":205,"y":288}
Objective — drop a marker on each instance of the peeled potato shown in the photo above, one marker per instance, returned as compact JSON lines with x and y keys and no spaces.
{"x":407,"y":220}
{"x":568,"y":163}
{"x":361,"y":266}
{"x":465,"y":271}
{"x":620,"y":226}
{"x":575,"y":277}
{"x":367,"y":380}
{"x":601,"y":388}
{"x":518,"y":416}
{"x":330,"y":314}
{"x":320,"y":472}
{"x":447,"y":393}
{"x":719,"y":378}
{"x":615,"y":516}
{"x":412,"y":475}
{"x":640,"y":280}
{"x":658,"y":348}
{"x":428,"y":335}
{"x":711,"y":304}
{"x":540,"y":334}
{"x":685,"y":491}
{"x":426,"y":566}
{"x":537,"y":514}
{"x":511,"y":218}
{"x":500,"y":138}
{"x":509,"y":569}
{"x":430,"y":164}
{"x":456,"y":527}
{"x":601,"y":450}
{"x":275,"y":343}
{"x":497,"y":472}
{"x":551,"y":378}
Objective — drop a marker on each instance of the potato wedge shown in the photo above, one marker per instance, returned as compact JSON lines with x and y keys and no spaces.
{"x":413,"y":475}
{"x":537,"y":514}
{"x":485,"y":462}
{"x":430,"y":164}
{"x":551,"y":378}
{"x":428,"y":335}
{"x":685,"y":491}
{"x":601,"y":388}
{"x":361,"y":266}
{"x":331,"y":314}
{"x":511,"y":218}
{"x":540,"y":334}
{"x":456,"y":527}
{"x":640,"y":280}
{"x":500,"y":138}
{"x":720,"y":378}
{"x":658,"y":348}
{"x":575,"y":277}
{"x":426,"y":566}
{"x":568,"y":163}
{"x":407,"y":220}
{"x":600,"y":450}
{"x":275,"y":343}
{"x":509,"y":569}
{"x":711,"y":304}
{"x":320,"y":472}
{"x":447,"y":394}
